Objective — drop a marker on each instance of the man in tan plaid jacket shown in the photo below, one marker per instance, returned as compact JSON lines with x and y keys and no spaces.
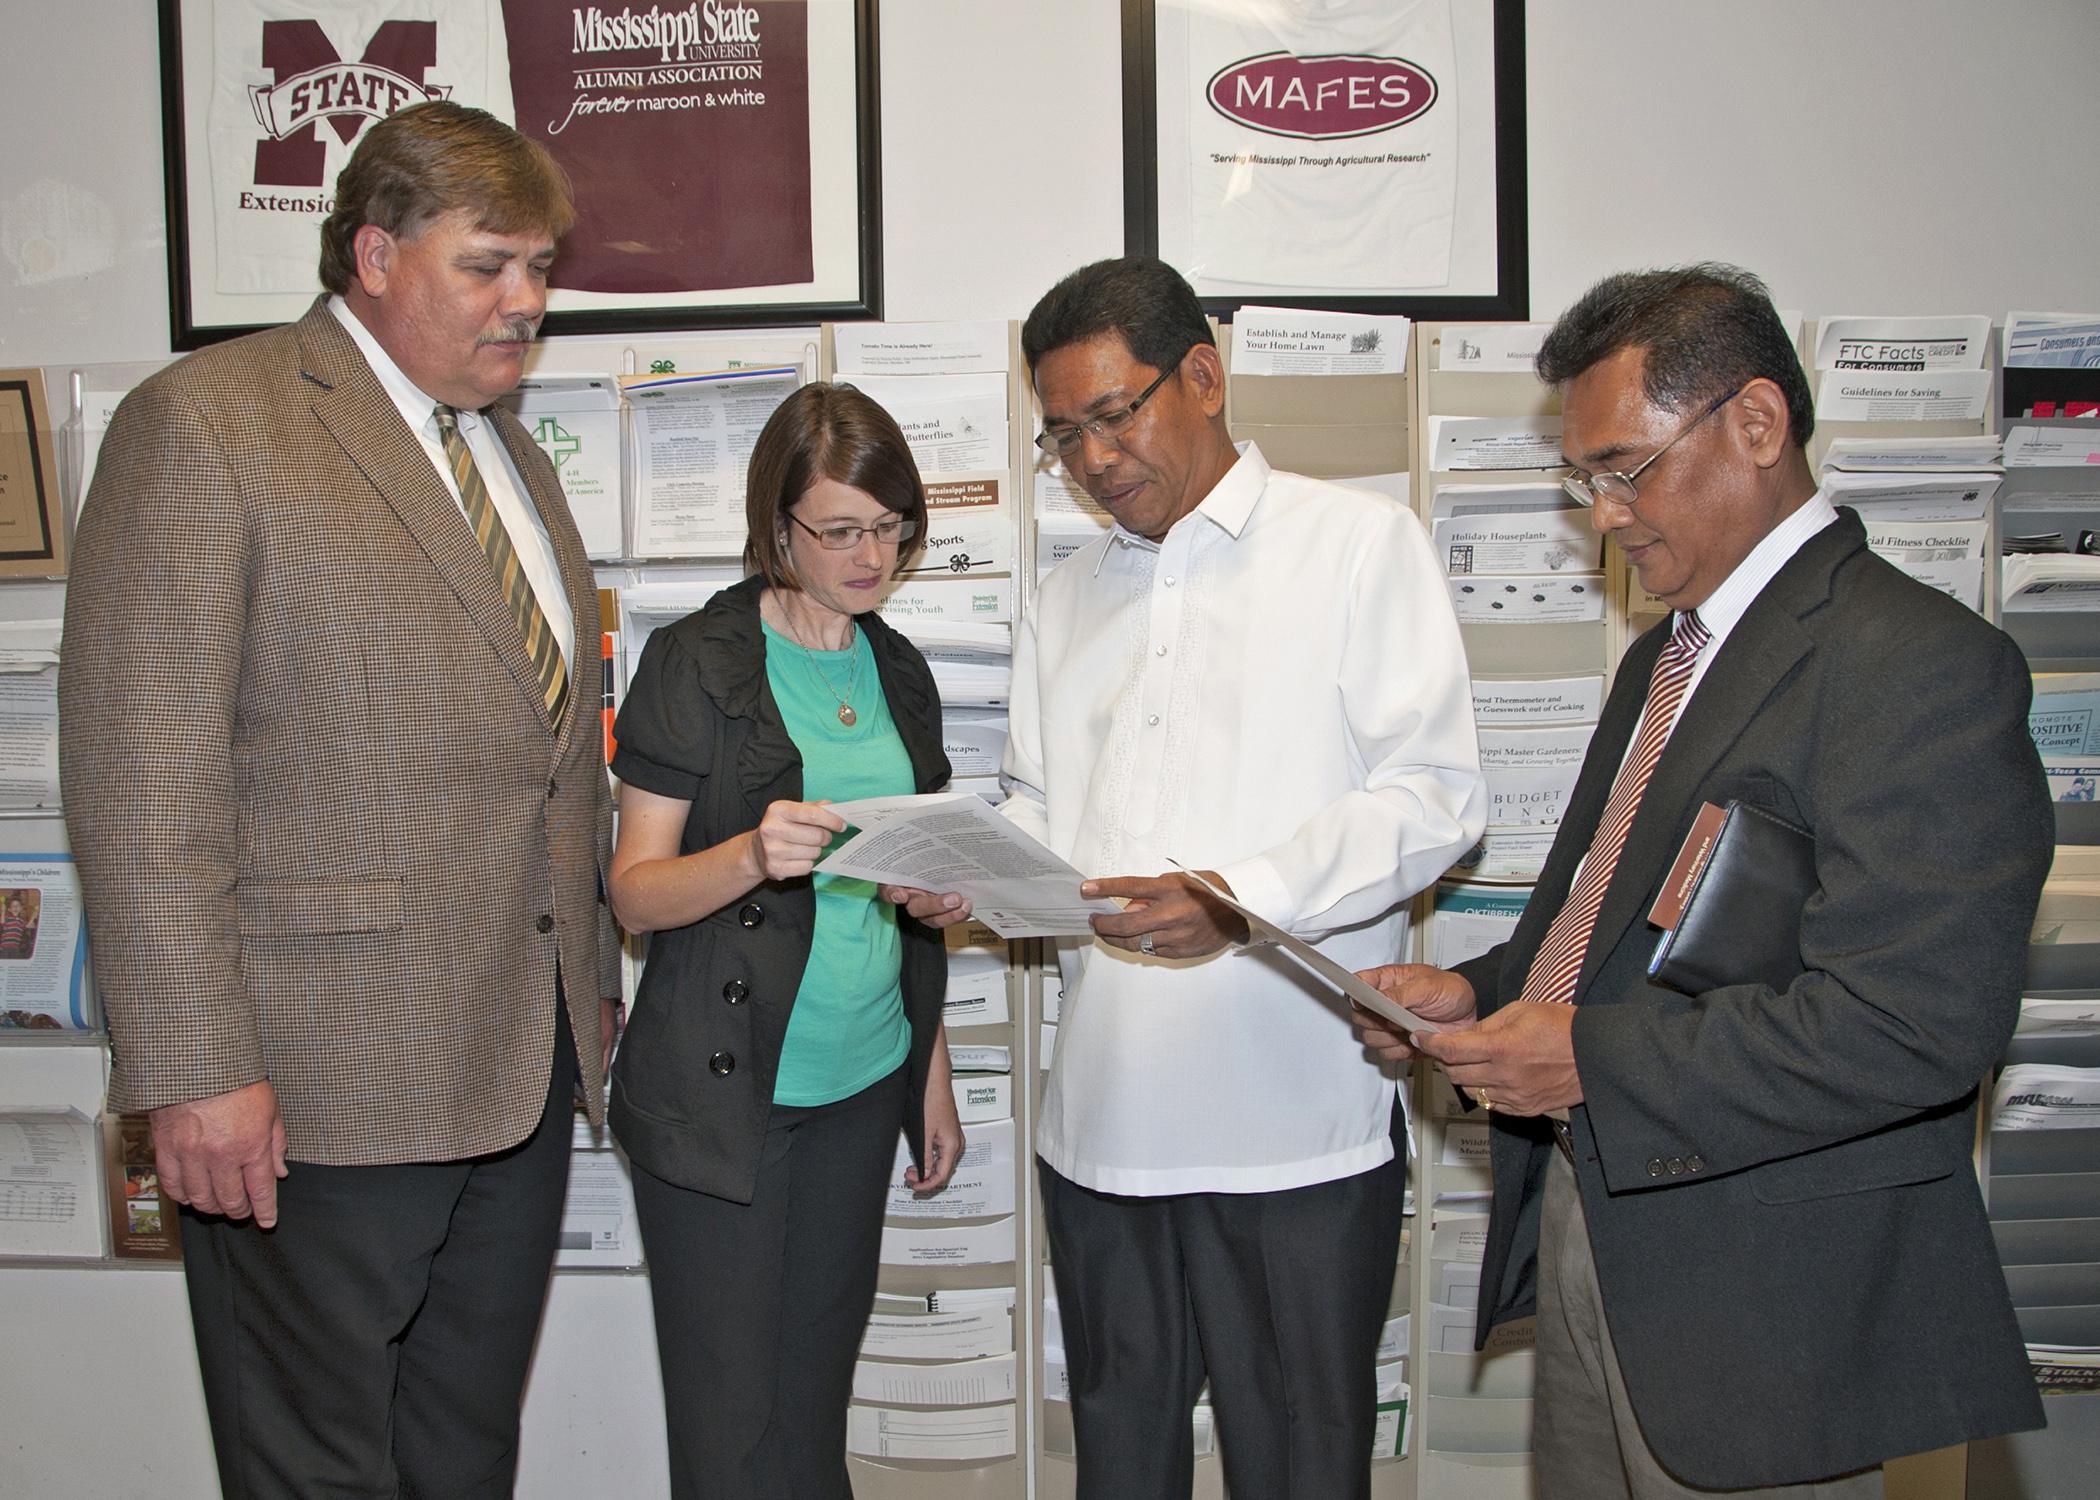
{"x":341,"y":815}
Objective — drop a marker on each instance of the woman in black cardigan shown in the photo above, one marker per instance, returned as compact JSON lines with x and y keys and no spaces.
{"x":788,"y":1023}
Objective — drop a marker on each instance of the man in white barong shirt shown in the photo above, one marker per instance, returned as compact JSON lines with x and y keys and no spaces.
{"x":1256,"y":675}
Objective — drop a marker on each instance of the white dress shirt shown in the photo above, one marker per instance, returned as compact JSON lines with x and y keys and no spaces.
{"x":1275,"y":691}
{"x":520,"y":517}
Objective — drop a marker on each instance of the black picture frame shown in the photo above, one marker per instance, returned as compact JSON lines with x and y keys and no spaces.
{"x":1510,"y":301}
{"x":195,"y":316}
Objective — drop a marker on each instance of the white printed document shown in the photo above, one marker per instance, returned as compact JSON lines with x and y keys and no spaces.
{"x":982,"y":1187}
{"x":1298,"y":341}
{"x":919,"y":348}
{"x":49,"y":1200}
{"x":1515,"y":702}
{"x":2054,"y":581}
{"x":1913,"y":496}
{"x":1507,"y":855}
{"x":2058,"y":341}
{"x":2045,"y":1096}
{"x":954,"y":842}
{"x":1527,"y":528}
{"x":575,"y":420}
{"x":1460,"y":443}
{"x":1505,"y":348}
{"x":978,"y":1330}
{"x":1530,"y":772}
{"x":1881,"y":395}
{"x":1945,"y":555}
{"x":1851,"y":343}
{"x":955,"y":424}
{"x":1528,"y":599}
{"x":976,"y":1433}
{"x":968,"y":1382}
{"x":692,"y":437}
{"x":950,"y":1245}
{"x":969,"y":530}
{"x":2068,"y":447}
{"x":1910,"y":455}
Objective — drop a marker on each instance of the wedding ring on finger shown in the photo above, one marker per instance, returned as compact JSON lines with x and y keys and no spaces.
{"x":1485,"y":1102}
{"x":1145,"y":946}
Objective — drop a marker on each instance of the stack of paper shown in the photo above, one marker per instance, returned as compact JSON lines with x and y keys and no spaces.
{"x":1903,"y":369}
{"x":1467,"y":920}
{"x":691,"y":438}
{"x":1931,"y":525}
{"x":2054,"y":581}
{"x":2045,"y":1096}
{"x":575,"y":419}
{"x":948,"y":386}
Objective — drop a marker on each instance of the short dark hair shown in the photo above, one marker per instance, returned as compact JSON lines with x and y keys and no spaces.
{"x":1145,"y":300}
{"x":1706,"y":329}
{"x":431,"y":159}
{"x":834,"y":432}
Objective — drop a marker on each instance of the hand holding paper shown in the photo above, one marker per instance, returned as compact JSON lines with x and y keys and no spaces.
{"x":1262,"y":932}
{"x":1169,"y":916}
{"x":1522,"y":1058}
{"x":953,"y":844}
{"x":1422,"y":991}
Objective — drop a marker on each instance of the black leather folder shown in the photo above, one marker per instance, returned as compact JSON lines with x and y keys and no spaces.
{"x":1732,"y":903}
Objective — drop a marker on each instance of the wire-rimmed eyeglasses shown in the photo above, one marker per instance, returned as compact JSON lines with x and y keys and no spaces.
{"x":889,"y":533}
{"x":1621,"y":488}
{"x":1107,"y":425}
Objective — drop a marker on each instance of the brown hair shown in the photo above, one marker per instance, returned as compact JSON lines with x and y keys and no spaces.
{"x":431,"y":159}
{"x":826,"y":432}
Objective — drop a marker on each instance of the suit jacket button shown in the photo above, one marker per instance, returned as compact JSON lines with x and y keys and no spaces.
{"x":545,"y":923}
{"x":1695,"y":1163}
{"x":722,"y":1064}
{"x":1655,"y":1166}
{"x":751,"y":914}
{"x":1676,"y":1166}
{"x":735,"y":991}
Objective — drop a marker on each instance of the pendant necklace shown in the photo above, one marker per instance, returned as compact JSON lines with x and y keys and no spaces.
{"x":847,"y":716}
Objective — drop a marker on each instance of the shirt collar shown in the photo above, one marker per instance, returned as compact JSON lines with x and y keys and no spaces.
{"x":417,"y":409}
{"x":1230,"y":503}
{"x":1727,"y":604}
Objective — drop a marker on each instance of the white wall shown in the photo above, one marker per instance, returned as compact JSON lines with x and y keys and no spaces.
{"x":1863,"y":155}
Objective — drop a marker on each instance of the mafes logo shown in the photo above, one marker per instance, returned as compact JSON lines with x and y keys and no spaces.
{"x":1321,"y":98}
{"x":315,"y":84}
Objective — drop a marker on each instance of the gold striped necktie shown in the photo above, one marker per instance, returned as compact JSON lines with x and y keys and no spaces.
{"x":540,"y":644}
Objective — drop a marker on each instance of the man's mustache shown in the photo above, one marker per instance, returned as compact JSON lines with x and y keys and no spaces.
{"x":516,"y":331}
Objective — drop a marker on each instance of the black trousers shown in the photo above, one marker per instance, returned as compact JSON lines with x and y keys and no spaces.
{"x":376,"y":1342}
{"x":1278,"y":1298}
{"x":760,"y":1307}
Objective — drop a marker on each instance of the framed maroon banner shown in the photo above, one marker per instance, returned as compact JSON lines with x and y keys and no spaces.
{"x":724,"y":153}
{"x":1362,"y":155}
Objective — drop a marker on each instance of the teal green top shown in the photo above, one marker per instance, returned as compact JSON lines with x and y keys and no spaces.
{"x":847,"y":1028}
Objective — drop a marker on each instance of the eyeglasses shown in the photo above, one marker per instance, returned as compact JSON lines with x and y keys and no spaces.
{"x":1108,"y":425}
{"x":1620,"y":489}
{"x":845,"y":538}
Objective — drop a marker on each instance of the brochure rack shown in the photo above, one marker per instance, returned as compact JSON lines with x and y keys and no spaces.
{"x":1469,"y":1433}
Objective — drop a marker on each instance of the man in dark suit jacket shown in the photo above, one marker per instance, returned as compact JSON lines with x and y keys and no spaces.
{"x":1746,"y":1218}
{"x":333,"y":775}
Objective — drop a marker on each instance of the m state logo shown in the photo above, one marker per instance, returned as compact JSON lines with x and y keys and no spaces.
{"x":313,"y":84}
{"x":1321,"y":98}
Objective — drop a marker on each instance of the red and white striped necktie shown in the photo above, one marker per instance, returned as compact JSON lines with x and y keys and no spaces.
{"x":1559,"y":960}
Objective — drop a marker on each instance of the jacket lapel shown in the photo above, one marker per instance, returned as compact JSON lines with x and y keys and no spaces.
{"x":1761,"y":652}
{"x":350,"y":403}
